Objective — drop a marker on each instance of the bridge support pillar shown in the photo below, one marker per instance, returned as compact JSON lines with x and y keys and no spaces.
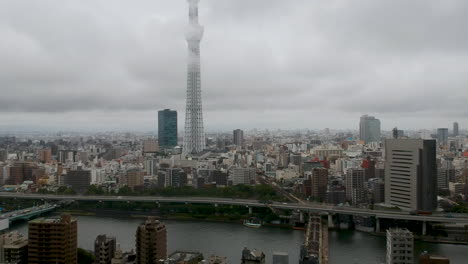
{"x":424,"y":231}
{"x":377,"y":225}
{"x":331,"y":225}
{"x":301,"y":216}
{"x":250,"y":210}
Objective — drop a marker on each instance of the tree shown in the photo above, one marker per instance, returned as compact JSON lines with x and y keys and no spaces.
{"x":85,"y":257}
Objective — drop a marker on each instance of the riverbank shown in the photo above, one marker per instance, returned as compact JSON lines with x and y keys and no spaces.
{"x":176,"y":217}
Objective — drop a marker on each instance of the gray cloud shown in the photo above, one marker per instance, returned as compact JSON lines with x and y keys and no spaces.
{"x":264,"y":63}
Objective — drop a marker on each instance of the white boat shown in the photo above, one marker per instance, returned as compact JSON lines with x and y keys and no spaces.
{"x":254,"y":223}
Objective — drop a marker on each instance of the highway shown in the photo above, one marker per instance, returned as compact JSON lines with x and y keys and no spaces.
{"x":306,"y":207}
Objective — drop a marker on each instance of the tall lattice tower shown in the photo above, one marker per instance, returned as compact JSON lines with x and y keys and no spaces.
{"x":194,"y":140}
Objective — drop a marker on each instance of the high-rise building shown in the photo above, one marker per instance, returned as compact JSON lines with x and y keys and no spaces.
{"x":319,"y":182}
{"x":355,"y":188}
{"x":45,"y":155}
{"x":194,"y":139}
{"x":455,"y":129}
{"x":53,"y":240}
{"x":442,"y":136}
{"x":369,"y":129}
{"x":167,"y":128}
{"x":104,"y":249}
{"x":79,"y":180}
{"x":399,"y":246}
{"x":411,"y":174}
{"x":151,"y":242}
{"x":20,"y":172}
{"x":13,"y":248}
{"x":134,"y":178}
{"x":238,"y":137}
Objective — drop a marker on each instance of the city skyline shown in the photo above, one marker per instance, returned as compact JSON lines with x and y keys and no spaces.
{"x":138,"y":57}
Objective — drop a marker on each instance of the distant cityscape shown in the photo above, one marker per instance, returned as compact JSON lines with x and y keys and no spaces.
{"x":405,"y":185}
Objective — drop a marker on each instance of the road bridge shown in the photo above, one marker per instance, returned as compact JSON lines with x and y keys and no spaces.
{"x":28,"y":213}
{"x":304,"y":207}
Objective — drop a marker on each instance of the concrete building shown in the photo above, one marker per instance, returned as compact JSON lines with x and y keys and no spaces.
{"x":377,"y":189}
{"x":243,"y":175}
{"x":443,"y":178}
{"x":135,"y":178}
{"x":151,"y":146}
{"x":456,"y":133}
{"x":280,"y":258}
{"x":13,"y":248}
{"x":238,"y":137}
{"x":79,"y":180}
{"x":399,"y":246}
{"x":53,"y":240}
{"x":442,"y":136}
{"x":45,"y":155}
{"x":369,"y":129}
{"x":411,"y":174}
{"x":104,"y":249}
{"x":252,"y":256}
{"x":20,"y":172}
{"x":319,"y":183}
{"x":167,"y":128}
{"x":151,"y":242}
{"x":355,"y":187}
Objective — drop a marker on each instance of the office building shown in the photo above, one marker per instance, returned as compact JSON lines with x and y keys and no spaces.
{"x":377,"y":189}
{"x":53,"y":240}
{"x":13,"y":248}
{"x":355,"y":187}
{"x":243,"y":175}
{"x":151,"y":146}
{"x":280,"y":258}
{"x":45,"y":155}
{"x":442,"y":136}
{"x":411,"y":174}
{"x":3,"y":155}
{"x":104,"y":249}
{"x":79,"y":180}
{"x":319,"y":182}
{"x":456,"y":133}
{"x":167,"y":128}
{"x":194,"y":139}
{"x":442,"y":178}
{"x":238,"y":137}
{"x":135,"y":178}
{"x":151,"y":242}
{"x":19,"y":172}
{"x":252,"y":256}
{"x":399,"y":246}
{"x":426,"y":258}
{"x":369,"y":129}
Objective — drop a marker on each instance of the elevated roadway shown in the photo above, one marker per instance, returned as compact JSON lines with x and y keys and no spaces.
{"x":304,"y":207}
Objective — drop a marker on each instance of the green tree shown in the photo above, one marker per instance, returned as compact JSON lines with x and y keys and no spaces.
{"x":85,"y":257}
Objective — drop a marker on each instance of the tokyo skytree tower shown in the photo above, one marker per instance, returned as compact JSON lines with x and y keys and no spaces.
{"x":194,"y":140}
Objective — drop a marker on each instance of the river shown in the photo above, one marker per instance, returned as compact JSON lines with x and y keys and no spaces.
{"x":226,"y":239}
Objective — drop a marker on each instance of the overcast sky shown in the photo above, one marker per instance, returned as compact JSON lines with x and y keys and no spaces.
{"x":111,"y":64}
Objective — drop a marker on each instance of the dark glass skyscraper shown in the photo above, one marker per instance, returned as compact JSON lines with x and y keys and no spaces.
{"x":167,"y":128}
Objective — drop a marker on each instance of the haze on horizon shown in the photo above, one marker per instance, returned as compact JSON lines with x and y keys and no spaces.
{"x":111,"y":64}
